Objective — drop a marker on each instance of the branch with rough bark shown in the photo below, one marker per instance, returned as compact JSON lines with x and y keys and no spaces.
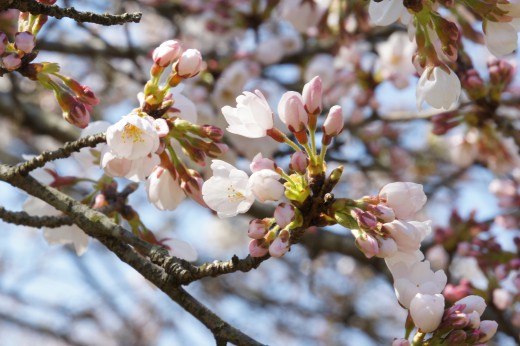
{"x":34,"y":7}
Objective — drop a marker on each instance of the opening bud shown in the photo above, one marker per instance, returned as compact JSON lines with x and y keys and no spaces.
{"x":190,"y":63}
{"x":166,"y":53}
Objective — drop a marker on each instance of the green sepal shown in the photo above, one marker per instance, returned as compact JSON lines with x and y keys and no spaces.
{"x":346,"y":220}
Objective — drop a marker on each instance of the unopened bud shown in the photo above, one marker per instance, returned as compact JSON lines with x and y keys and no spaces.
{"x":312,"y":93}
{"x":212,"y":132}
{"x":333,"y":124}
{"x":292,"y":111}
{"x":284,"y":214}
{"x":487,"y":330}
{"x":456,"y":337}
{"x":366,"y":243}
{"x":259,"y":162}
{"x":166,"y":53}
{"x":190,"y":63}
{"x":299,"y":162}
{"x":280,"y":245}
{"x":258,"y":247}
{"x":257,"y":228}
{"x":11,"y":62}
{"x":401,"y":342}
{"x":24,"y":41}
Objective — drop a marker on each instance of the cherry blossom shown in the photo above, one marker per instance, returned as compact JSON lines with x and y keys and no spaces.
{"x":265,"y":185}
{"x":252,"y":116}
{"x":163,"y":190}
{"x":427,"y":311}
{"x":405,"y":199}
{"x":227,"y":191}
{"x":418,"y":278}
{"x":132,"y":137}
{"x":439,"y":88}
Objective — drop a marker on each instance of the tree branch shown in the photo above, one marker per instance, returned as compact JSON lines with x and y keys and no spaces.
{"x":65,"y":151}
{"x":22,"y":218}
{"x":34,"y":7}
{"x":122,"y":243}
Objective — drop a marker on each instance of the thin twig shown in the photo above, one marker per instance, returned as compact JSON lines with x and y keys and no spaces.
{"x":65,"y":151}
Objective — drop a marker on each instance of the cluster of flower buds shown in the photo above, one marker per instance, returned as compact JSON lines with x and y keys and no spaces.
{"x":231,"y":191}
{"x":75,"y":100}
{"x":20,"y":51}
{"x":383,"y":226}
{"x":272,"y":235}
{"x":140,"y":146}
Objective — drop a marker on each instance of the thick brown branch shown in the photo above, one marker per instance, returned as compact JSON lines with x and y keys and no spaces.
{"x":68,"y":148}
{"x":34,"y":7}
{"x":183,"y":273}
{"x":122,"y":243}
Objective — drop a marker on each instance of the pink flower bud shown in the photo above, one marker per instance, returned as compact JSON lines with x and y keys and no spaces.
{"x":400,"y":342}
{"x":3,"y":42}
{"x":166,"y":53}
{"x":299,"y":162}
{"x":292,"y":111}
{"x":364,"y":219}
{"x":457,"y":337}
{"x":212,"y":132}
{"x":24,"y":41}
{"x":284,"y":214}
{"x":11,"y":62}
{"x":190,"y":63}
{"x":192,"y":186}
{"x":334,"y":122}
{"x":366,"y":243}
{"x":87,"y":96}
{"x":312,"y":92}
{"x":384,"y":213}
{"x":487,"y":330}
{"x":259,"y":162}
{"x":280,"y":245}
{"x":257,"y":229}
{"x":258,"y":247}
{"x":78,"y":115}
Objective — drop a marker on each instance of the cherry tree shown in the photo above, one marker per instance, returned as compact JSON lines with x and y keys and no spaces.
{"x":231,"y":172}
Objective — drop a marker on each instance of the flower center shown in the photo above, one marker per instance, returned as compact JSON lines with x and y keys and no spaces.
{"x":234,"y":195}
{"x":132,"y":133}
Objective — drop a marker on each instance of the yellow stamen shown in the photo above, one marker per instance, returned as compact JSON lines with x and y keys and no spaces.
{"x":133,"y":133}
{"x":234,"y":196}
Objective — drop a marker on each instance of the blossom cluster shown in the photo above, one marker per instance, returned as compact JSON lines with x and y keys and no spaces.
{"x":230,"y":191}
{"x":383,"y":226}
{"x":141,"y":145}
{"x":75,"y":100}
{"x":438,"y":41}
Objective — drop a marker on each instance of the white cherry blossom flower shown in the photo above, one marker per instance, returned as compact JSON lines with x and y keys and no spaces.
{"x":141,"y":168}
{"x":227,"y":191}
{"x":266,"y":186}
{"x":417,"y":278}
{"x":501,"y":38}
{"x":132,"y":137}
{"x":252,"y":116}
{"x":163,"y":190}
{"x":404,"y":198}
{"x":427,"y":311}
{"x":385,"y":12}
{"x":408,"y":235}
{"x":439,"y":88}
